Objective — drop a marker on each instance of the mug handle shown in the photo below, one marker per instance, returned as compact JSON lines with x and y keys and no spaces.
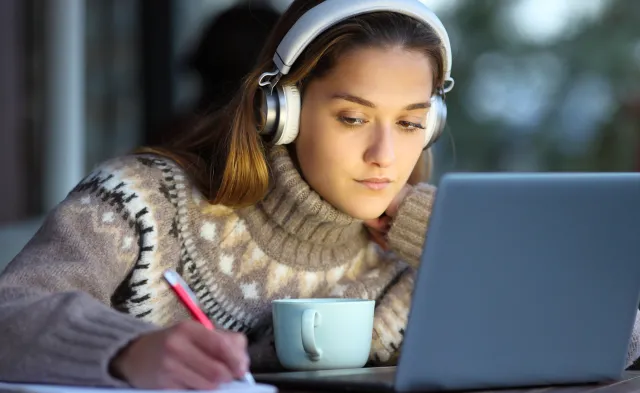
{"x":310,"y":320}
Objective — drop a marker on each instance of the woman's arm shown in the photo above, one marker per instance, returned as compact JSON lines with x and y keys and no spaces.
{"x":405,"y":239}
{"x":633,"y":353}
{"x":390,"y":319}
{"x":56,"y":323}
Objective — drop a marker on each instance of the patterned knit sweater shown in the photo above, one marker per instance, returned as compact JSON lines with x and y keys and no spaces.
{"x":90,"y":280}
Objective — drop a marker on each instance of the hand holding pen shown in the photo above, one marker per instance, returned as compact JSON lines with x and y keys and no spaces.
{"x":189,"y":300}
{"x":188,"y":355}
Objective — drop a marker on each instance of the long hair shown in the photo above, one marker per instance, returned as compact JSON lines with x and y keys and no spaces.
{"x":226,"y":157}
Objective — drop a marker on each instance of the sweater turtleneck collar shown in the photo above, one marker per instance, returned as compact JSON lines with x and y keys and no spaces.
{"x":295,"y":226}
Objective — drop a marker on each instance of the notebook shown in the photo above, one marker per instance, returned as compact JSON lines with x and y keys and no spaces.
{"x":233,"y":387}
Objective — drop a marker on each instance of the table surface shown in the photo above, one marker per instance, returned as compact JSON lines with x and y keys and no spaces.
{"x":629,"y":384}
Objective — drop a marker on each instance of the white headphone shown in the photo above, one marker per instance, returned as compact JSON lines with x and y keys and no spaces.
{"x":281,"y":103}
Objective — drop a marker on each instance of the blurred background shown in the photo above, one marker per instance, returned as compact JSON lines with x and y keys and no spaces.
{"x":541,"y":85}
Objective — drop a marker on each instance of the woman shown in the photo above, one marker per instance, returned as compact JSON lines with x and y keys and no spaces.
{"x":243,"y":220}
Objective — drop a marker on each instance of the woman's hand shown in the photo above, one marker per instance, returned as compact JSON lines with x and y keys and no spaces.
{"x":185,"y":356}
{"x":378,"y":227}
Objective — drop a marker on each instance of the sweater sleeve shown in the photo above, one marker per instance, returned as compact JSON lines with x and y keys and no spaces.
{"x":56,"y":320}
{"x":390,"y":320}
{"x":633,"y":352}
{"x":406,"y":238}
{"x":409,"y":228}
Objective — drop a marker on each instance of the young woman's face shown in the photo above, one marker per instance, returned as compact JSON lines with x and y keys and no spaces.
{"x":362,"y":128}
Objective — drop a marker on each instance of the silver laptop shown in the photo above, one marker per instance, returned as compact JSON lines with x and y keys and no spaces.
{"x":525,"y":280}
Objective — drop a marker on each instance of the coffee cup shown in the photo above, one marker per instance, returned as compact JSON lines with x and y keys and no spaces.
{"x":321,"y":334}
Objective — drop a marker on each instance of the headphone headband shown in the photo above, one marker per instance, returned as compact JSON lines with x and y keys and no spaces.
{"x":328,"y":13}
{"x":281,"y":103}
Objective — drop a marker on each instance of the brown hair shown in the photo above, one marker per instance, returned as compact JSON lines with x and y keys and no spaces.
{"x":225,"y":155}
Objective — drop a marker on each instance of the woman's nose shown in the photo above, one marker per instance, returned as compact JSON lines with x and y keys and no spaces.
{"x":381,"y":150}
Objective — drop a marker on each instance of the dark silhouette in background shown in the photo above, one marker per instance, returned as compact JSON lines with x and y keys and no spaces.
{"x":228,"y":50}
{"x":225,"y":53}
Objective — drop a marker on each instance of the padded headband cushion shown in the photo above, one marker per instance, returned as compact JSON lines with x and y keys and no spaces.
{"x":326,"y":14}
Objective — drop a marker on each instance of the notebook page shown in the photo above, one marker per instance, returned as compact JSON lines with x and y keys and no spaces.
{"x":232,"y":387}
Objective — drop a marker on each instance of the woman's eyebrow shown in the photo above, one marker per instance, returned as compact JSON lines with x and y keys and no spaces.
{"x":367,"y":103}
{"x":419,"y":105}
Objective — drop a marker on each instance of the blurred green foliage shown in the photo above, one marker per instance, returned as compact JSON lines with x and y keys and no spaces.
{"x":570,"y":104}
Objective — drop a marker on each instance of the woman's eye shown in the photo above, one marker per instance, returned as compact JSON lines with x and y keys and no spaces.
{"x":407,"y":125}
{"x":352,"y":121}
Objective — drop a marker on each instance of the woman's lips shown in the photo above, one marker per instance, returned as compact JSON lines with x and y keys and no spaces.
{"x":375,"y":183}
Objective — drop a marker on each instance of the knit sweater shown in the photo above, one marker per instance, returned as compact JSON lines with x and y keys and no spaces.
{"x":90,"y":280}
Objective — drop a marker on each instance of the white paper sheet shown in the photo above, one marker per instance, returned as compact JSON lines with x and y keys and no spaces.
{"x":234,"y":387}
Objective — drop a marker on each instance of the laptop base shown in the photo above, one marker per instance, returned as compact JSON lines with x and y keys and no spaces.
{"x":370,"y":379}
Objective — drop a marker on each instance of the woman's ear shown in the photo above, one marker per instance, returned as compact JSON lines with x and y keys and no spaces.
{"x":422,"y":170}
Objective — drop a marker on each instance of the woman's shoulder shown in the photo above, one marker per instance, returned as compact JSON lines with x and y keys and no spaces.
{"x":138,"y":172}
{"x":134,"y":168}
{"x":134,"y":181}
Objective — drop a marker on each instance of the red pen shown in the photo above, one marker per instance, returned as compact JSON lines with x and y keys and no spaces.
{"x":190,"y":301}
{"x":187,"y":298}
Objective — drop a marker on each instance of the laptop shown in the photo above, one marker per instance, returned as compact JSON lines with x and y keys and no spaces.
{"x":525,"y":280}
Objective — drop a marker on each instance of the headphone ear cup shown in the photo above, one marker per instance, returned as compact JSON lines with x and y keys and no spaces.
{"x":267,"y":106}
{"x":436,"y":120}
{"x":289,"y":115}
{"x":279,"y":114}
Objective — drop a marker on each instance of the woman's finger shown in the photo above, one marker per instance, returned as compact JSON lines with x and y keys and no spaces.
{"x":201,"y":363}
{"x":215,"y":345}
{"x":183,"y":377}
{"x":379,"y":238}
